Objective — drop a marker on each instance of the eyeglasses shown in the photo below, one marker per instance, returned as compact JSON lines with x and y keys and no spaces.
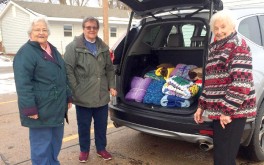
{"x":91,"y":28}
{"x":40,"y":30}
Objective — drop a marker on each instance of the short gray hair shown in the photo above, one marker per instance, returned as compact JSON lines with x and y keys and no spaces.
{"x":34,"y":21}
{"x":87,"y":19}
{"x":224,"y":15}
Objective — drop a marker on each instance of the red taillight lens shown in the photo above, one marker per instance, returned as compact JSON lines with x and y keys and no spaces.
{"x":112,"y":55}
{"x":206,"y":132}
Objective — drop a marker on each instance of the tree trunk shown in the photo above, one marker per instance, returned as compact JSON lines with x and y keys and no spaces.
{"x":63,"y":2}
{"x":105,"y":22}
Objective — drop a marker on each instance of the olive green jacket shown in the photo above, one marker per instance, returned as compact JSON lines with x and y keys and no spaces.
{"x":90,"y":77}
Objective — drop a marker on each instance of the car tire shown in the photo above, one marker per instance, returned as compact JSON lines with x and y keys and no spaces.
{"x":255,"y":150}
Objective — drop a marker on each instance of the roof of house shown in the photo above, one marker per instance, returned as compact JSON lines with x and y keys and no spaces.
{"x":66,"y":11}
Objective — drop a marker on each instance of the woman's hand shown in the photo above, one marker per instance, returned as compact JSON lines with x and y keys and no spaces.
{"x":33,"y":117}
{"x":113,"y":92}
{"x":198,"y":116}
{"x":224,"y":120}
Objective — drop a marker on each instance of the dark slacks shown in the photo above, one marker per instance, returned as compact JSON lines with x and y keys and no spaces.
{"x":227,"y":141}
{"x":84,"y":119}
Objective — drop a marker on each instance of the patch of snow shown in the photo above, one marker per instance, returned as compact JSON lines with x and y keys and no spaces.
{"x":7,"y":83}
{"x":4,"y":62}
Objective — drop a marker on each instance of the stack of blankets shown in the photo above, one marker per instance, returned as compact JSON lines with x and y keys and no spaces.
{"x":167,"y":86}
{"x":179,"y":92}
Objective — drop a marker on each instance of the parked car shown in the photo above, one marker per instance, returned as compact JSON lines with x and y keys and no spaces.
{"x":178,"y":32}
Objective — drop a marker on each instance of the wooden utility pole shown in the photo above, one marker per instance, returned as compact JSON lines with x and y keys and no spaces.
{"x":105,"y":22}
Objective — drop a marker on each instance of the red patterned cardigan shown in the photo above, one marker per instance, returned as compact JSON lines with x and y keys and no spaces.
{"x":228,"y":87}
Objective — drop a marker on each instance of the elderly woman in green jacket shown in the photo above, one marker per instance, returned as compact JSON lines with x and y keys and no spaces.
{"x":91,"y":75}
{"x":43,"y":95}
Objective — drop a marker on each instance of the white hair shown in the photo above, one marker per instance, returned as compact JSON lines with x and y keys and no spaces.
{"x":38,"y":19}
{"x":223,"y":15}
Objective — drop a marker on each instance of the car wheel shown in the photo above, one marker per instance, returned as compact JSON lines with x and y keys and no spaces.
{"x":256,"y":146}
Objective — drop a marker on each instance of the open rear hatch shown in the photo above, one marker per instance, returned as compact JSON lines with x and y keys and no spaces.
{"x":150,"y":8}
{"x":145,"y":8}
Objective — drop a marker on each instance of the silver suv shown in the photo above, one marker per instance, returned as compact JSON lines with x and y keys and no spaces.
{"x":177,"y":32}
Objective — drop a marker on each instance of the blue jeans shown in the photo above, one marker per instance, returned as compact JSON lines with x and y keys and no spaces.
{"x":45,"y":145}
{"x":84,"y":119}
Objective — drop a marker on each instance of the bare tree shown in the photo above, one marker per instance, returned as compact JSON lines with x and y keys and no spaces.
{"x":115,"y":4}
{"x":111,"y":3}
{"x":70,"y":2}
{"x":75,"y":2}
{"x":121,"y":5}
{"x":4,"y":1}
{"x":63,"y":2}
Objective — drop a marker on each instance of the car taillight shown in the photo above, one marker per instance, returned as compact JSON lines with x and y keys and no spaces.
{"x":112,"y":55}
{"x":206,"y":132}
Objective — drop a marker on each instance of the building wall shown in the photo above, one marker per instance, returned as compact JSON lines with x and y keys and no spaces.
{"x":57,"y":35}
{"x":121,"y":29}
{"x":58,"y":39}
{"x":15,"y":24}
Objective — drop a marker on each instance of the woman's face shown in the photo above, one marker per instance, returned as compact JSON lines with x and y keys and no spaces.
{"x":90,"y":30}
{"x":39,"y":32}
{"x":222,"y":29}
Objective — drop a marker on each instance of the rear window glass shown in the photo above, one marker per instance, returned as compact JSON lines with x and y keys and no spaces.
{"x":203,"y":33}
{"x":151,"y":35}
{"x":249,"y":28}
{"x":187,"y":31}
{"x":186,"y":35}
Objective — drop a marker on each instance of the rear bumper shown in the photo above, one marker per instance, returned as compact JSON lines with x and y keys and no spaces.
{"x":161,"y":124}
{"x":168,"y":125}
{"x":164,"y":133}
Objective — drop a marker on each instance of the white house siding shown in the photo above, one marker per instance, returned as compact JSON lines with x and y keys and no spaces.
{"x":14,"y":29}
{"x":120,"y":30}
{"x":57,"y":34}
{"x":15,"y":23}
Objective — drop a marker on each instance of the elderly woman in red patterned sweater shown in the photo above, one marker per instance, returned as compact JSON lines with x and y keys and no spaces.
{"x":228,"y":95}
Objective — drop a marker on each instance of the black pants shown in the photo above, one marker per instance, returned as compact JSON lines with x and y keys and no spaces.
{"x":227,"y":141}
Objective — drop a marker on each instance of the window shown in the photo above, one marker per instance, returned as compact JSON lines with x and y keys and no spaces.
{"x":113,"y":32}
{"x":151,"y":35}
{"x":203,"y":33}
{"x":174,"y":30}
{"x":249,"y":28}
{"x":261,"y":20}
{"x":67,"y":30}
{"x":187,"y":31}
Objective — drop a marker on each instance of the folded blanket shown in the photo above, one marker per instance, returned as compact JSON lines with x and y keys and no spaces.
{"x":151,"y":74}
{"x":182,"y":70}
{"x":138,"y":89}
{"x":178,"y":86}
{"x":174,"y":101}
{"x":154,"y":92}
